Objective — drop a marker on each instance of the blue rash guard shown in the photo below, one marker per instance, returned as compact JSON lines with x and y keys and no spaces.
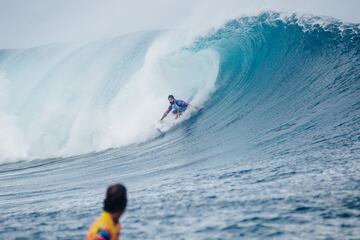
{"x":178,"y":106}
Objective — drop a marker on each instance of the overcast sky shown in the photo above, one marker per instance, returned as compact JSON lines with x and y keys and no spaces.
{"x":26,"y":23}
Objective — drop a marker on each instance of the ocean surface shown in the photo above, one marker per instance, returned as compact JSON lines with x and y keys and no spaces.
{"x":273,"y":152}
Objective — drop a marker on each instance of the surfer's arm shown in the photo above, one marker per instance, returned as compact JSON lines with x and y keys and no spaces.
{"x":165,"y":113}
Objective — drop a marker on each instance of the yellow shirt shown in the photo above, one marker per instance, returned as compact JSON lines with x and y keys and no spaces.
{"x":104,"y":228}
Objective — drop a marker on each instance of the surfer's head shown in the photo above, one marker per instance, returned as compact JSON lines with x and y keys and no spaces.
{"x":171,"y":98}
{"x":116,"y":199}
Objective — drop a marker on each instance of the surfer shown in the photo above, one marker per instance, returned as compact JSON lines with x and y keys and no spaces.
{"x":107,"y":226}
{"x":177,"y":107}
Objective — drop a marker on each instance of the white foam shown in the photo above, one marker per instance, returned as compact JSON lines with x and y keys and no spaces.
{"x":13,"y":144}
{"x":140,"y":103}
{"x":56,"y":104}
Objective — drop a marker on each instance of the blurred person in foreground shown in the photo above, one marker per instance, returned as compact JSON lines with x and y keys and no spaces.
{"x":107,"y":226}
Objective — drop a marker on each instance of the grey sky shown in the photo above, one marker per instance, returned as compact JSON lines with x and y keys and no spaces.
{"x":25,"y":23}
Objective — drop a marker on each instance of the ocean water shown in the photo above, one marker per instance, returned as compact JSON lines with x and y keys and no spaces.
{"x":273,"y":153}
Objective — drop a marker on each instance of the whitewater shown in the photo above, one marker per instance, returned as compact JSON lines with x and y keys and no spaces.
{"x":273,"y":152}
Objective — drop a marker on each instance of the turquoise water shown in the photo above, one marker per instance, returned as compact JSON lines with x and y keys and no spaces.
{"x":273,"y":153}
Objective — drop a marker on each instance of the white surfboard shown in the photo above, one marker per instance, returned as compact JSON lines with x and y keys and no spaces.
{"x":164,"y":126}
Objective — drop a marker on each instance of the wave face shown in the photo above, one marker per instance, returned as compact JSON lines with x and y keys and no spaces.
{"x":273,"y":152}
{"x":286,"y":85}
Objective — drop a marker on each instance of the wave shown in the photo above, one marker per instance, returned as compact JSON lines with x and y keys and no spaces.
{"x":273,"y":82}
{"x":72,"y":99}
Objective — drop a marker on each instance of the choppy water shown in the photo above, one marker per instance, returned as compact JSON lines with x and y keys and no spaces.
{"x":273,"y":153}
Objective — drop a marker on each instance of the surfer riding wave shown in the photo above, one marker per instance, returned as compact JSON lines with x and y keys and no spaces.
{"x":176,"y":106}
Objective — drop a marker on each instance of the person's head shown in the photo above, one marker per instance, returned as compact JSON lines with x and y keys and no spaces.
{"x":171,"y":99}
{"x":116,"y":199}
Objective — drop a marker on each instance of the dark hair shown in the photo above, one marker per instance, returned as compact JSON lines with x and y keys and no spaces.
{"x":116,"y":198}
{"x":171,"y":96}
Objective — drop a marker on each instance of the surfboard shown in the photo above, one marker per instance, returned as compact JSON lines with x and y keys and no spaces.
{"x":164,"y":126}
